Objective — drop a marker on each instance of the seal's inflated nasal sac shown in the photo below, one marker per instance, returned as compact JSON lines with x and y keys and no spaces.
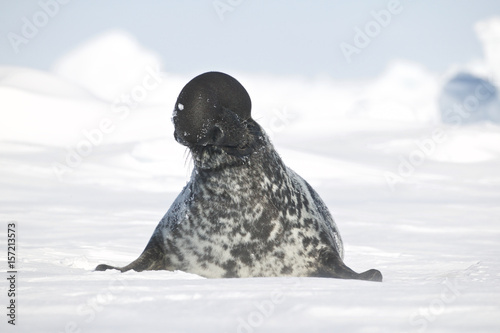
{"x":212,"y":110}
{"x":243,"y":213}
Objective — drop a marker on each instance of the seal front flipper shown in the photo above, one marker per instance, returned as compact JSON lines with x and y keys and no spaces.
{"x":104,"y":267}
{"x":152,"y":258}
{"x":371,"y":275}
{"x":334,"y":267}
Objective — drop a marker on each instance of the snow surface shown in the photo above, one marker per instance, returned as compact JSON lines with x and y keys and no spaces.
{"x":87,"y":174}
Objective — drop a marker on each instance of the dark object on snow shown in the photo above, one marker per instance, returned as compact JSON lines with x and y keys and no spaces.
{"x":244,"y":213}
{"x":467,"y":99}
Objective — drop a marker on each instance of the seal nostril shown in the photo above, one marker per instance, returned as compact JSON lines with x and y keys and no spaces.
{"x":217,"y":135}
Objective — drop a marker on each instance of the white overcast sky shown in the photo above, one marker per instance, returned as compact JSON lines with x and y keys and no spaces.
{"x":289,"y":37}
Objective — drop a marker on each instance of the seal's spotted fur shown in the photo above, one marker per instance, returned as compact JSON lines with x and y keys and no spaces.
{"x":243,"y":213}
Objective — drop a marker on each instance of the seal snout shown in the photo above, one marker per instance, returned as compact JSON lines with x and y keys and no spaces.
{"x":212,"y":109}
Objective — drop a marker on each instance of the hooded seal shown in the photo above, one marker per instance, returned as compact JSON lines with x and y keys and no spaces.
{"x":243,"y":213}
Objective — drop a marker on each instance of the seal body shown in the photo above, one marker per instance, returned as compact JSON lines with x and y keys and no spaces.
{"x":243,"y":213}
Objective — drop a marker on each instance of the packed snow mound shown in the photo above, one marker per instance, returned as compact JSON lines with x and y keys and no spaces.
{"x":40,"y":83}
{"x":44,"y":109}
{"x":404,"y":93}
{"x":107,"y":64}
{"x":467,"y":99}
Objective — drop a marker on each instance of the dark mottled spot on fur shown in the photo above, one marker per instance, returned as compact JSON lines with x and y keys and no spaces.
{"x":242,"y":254}
{"x":306,"y":241}
{"x":231,"y":268}
{"x":323,"y":237}
{"x":286,"y":270}
{"x":207,"y":255}
{"x":280,"y":255}
{"x":263,"y":229}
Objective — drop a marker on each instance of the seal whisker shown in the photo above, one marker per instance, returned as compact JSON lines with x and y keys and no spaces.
{"x":188,"y":159}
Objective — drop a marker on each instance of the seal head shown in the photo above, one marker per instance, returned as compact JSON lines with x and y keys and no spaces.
{"x":212,"y":110}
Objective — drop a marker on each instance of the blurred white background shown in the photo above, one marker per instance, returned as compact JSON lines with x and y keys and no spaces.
{"x":290,"y":37}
